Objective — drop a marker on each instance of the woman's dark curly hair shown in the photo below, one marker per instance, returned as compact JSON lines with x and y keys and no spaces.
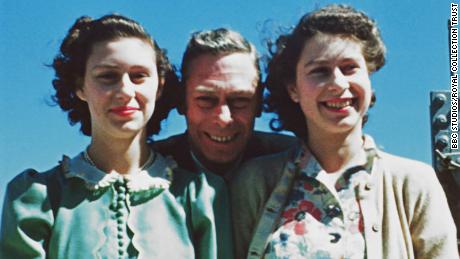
{"x":70,"y":65}
{"x":340,"y":20}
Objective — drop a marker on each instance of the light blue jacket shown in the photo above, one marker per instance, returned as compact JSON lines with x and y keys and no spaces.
{"x":76,"y":211}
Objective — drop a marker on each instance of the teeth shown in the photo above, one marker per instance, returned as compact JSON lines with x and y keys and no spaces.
{"x":221,"y":139}
{"x":338,"y":105}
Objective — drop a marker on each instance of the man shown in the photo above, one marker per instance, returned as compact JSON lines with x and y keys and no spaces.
{"x":221,"y":95}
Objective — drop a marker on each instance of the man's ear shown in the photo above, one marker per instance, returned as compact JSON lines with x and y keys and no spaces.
{"x":292,"y":91}
{"x":259,"y":105}
{"x":181,"y":105}
{"x":260,"y":88}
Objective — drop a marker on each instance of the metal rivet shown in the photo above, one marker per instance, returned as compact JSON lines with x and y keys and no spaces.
{"x":442,"y":142}
{"x":441,"y":121}
{"x":439,"y":100}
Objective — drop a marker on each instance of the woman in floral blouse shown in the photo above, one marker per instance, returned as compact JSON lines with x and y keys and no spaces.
{"x":337,"y":195}
{"x":118,"y":198}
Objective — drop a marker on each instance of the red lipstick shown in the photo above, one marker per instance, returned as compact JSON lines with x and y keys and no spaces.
{"x":124,"y":110}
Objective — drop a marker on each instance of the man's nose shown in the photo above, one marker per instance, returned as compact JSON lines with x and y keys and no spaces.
{"x":224,"y":116}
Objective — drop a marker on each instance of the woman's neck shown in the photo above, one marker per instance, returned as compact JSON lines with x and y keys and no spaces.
{"x":335,"y":151}
{"x":121,"y":155}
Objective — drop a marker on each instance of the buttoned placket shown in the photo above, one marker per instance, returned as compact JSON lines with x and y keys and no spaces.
{"x":335,"y":209}
{"x":120,"y":212}
{"x":275,"y":204}
{"x":371,"y":199}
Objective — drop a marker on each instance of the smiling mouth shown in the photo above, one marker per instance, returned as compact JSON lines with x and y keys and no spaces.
{"x":340,"y":104}
{"x":221,"y":139}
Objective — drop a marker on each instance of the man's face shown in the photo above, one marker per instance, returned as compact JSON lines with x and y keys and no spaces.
{"x":221,"y":104}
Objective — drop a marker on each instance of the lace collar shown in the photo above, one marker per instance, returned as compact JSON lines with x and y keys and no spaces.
{"x":156,"y":176}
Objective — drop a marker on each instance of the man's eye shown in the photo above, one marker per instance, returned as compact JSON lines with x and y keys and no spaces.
{"x":240,"y":102}
{"x":206,"y":102}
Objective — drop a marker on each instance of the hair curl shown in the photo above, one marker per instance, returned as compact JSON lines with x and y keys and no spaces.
{"x":340,"y":20}
{"x":70,"y":63}
{"x":219,"y":41}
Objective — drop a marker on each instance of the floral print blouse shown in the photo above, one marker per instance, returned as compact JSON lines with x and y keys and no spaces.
{"x":319,"y":222}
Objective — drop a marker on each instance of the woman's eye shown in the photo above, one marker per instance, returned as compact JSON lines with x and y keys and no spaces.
{"x":108,"y":77}
{"x":320,"y":71}
{"x":206,"y":102}
{"x":138,"y":78}
{"x":348,"y":69}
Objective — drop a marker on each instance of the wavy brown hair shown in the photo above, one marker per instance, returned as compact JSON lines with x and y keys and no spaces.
{"x":70,"y":63}
{"x":340,"y":20}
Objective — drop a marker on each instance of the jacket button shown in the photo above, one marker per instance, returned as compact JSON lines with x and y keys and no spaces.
{"x":121,"y":253}
{"x":376,"y":227}
{"x":368,"y":186}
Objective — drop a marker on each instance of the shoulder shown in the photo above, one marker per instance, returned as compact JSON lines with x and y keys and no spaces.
{"x":166,"y":146}
{"x":270,"y":136}
{"x":30,"y":183}
{"x":264,"y":143}
{"x":415,"y":181}
{"x":177,"y":147}
{"x":275,"y":141}
{"x":185,"y":182}
{"x":264,"y":169}
{"x":406,"y":169}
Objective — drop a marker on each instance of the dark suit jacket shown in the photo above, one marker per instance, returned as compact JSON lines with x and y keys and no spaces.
{"x":261,"y":143}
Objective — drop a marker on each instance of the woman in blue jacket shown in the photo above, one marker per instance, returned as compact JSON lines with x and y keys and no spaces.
{"x":118,"y":198}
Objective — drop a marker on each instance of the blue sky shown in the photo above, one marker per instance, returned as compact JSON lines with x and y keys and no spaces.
{"x":34,"y":134}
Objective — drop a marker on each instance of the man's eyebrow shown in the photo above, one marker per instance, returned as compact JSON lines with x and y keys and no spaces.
{"x":205,"y":89}
{"x":242,"y":93}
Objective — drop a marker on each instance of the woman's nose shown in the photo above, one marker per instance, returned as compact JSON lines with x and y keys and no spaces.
{"x":339,"y":81}
{"x":127,"y":87}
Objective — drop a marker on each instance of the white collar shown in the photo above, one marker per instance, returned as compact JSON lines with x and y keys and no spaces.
{"x":157,"y":176}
